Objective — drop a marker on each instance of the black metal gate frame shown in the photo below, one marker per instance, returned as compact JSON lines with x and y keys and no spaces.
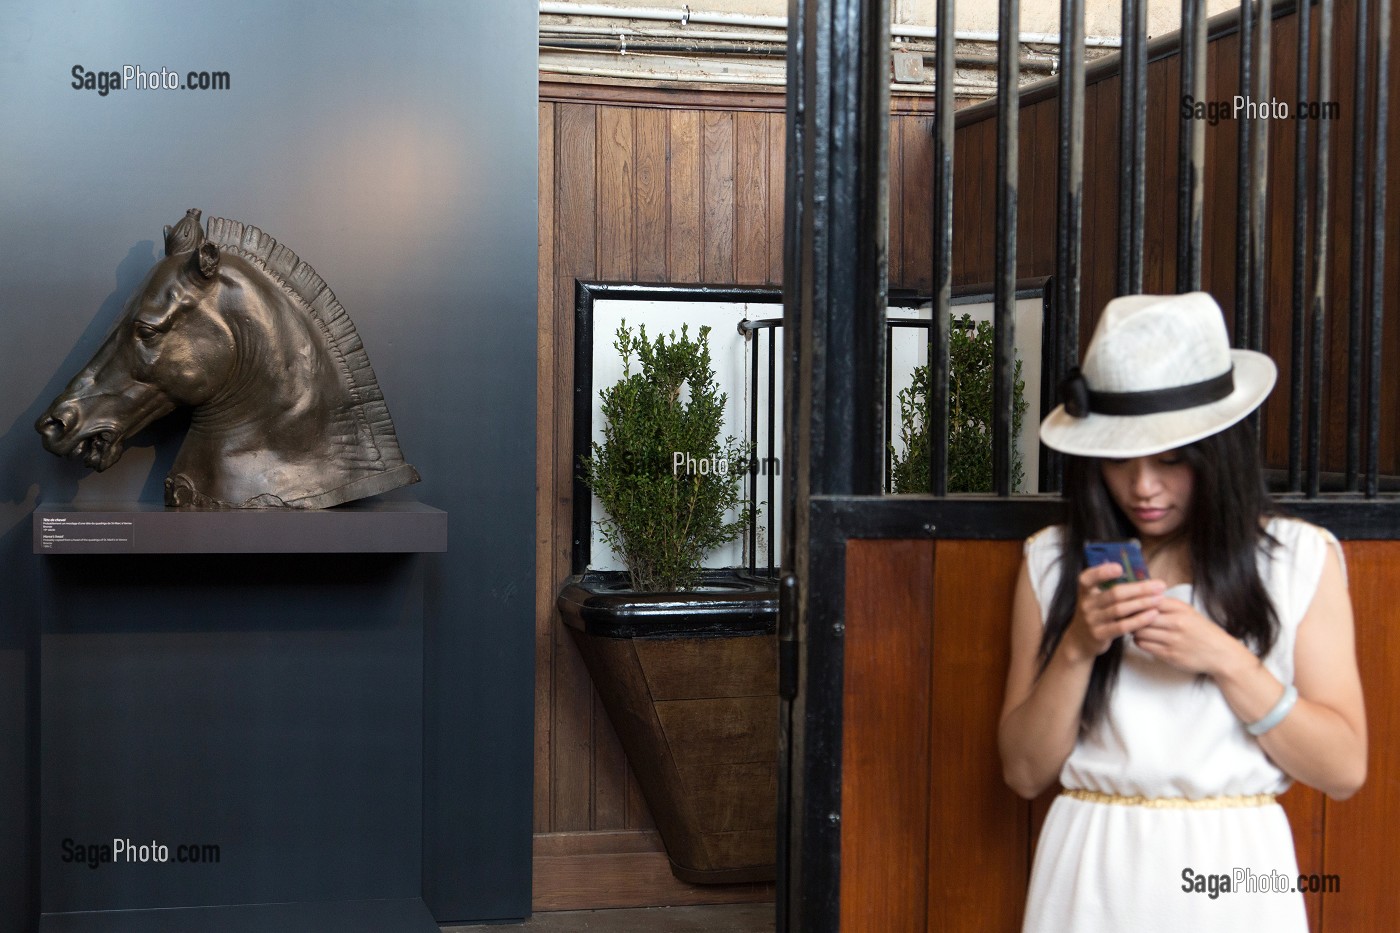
{"x":834,"y":285}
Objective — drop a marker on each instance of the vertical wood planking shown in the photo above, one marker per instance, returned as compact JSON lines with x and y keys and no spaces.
{"x":777,"y":186}
{"x":1222,"y":142}
{"x":1159,"y":199}
{"x":1278,"y":279}
{"x":894,"y":245}
{"x":683,"y":242}
{"x":1101,"y":271}
{"x":751,"y":181}
{"x":1044,"y":121}
{"x":978,"y":829}
{"x":576,"y":202}
{"x":652,"y":178}
{"x":545,"y":531}
{"x":885,"y":744}
{"x":616,"y":229}
{"x":611,"y":773}
{"x":1361,"y":844}
{"x":717,"y":196}
{"x":616,"y":218}
{"x":915,"y":218}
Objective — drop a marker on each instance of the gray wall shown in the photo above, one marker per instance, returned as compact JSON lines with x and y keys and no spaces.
{"x":395,"y":151}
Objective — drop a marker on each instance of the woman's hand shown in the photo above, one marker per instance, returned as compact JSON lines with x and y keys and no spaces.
{"x":1101,"y":615}
{"x":1185,"y":639}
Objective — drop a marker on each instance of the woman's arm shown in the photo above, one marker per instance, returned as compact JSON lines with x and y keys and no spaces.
{"x":1322,"y":740}
{"x":1040,"y":716}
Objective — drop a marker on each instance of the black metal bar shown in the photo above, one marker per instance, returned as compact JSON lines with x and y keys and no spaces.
{"x":1259,"y":178}
{"x":889,"y":408}
{"x":1380,"y":132}
{"x":1300,"y":252}
{"x":774,"y":463}
{"x":752,"y":338}
{"x":1132,"y":146}
{"x":941,"y":310}
{"x":1191,"y":150}
{"x":1069,"y":213}
{"x":834,"y":304}
{"x":1322,"y":218}
{"x":1245,"y":165}
{"x":583,"y":425}
{"x":992,"y":518}
{"x":1356,"y":297}
{"x":1008,"y":156}
{"x":796,"y":271}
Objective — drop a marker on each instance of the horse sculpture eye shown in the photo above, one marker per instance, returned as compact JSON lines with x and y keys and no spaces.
{"x":145,"y":331}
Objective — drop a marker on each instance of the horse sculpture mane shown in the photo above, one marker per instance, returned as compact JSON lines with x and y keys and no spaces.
{"x":313,"y":294}
{"x":287,"y":409}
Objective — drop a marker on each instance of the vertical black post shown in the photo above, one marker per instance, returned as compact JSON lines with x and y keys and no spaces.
{"x":1191,"y":150}
{"x":833,"y":310}
{"x":941,"y":312}
{"x":1380,"y":132}
{"x":1008,"y":170}
{"x":752,"y":337}
{"x":795,"y":272}
{"x":1245,"y":128}
{"x":1132,"y":146}
{"x":1301,"y":162}
{"x":1259,"y":178}
{"x":1069,"y":214}
{"x":1357,"y":280}
{"x":1320,"y":241}
{"x":889,"y":404}
{"x":774,"y":463}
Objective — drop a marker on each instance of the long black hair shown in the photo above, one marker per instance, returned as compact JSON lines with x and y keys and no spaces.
{"x":1224,"y":530}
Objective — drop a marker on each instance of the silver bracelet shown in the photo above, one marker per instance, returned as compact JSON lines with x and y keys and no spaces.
{"x":1275,"y":716}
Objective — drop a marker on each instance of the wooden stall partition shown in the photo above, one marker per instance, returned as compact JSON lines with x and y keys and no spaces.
{"x":885,"y":763}
{"x":979,"y":830}
{"x":1360,"y":845}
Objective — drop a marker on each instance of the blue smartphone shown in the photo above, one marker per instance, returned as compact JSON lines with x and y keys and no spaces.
{"x":1127,"y":554}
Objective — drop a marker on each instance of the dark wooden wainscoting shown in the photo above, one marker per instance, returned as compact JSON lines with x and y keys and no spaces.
{"x":933,"y":840}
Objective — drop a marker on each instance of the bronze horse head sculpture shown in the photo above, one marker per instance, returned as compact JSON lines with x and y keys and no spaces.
{"x":286,"y":410}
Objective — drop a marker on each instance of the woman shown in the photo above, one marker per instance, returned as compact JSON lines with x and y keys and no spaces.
{"x":1172,"y":710}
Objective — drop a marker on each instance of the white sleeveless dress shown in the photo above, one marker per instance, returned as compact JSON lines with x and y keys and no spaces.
{"x":1114,"y":868}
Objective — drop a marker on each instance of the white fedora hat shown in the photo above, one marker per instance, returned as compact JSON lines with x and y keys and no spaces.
{"x":1159,"y":374}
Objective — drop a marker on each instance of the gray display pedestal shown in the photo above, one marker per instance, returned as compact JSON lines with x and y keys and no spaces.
{"x":230,"y":724}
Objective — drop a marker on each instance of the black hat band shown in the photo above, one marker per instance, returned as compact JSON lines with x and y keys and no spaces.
{"x":1080,"y":400}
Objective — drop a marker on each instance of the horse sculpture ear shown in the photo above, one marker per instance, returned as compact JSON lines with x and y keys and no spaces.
{"x":208,"y":258}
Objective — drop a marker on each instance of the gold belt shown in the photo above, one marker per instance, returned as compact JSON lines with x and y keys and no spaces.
{"x":1171,"y":803}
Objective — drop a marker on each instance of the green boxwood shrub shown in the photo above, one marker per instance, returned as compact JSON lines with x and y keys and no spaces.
{"x":662,"y":520}
{"x":971,"y":373}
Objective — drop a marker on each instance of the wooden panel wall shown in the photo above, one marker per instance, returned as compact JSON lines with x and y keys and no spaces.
{"x":628,"y":192}
{"x":975,"y":205}
{"x":927,"y":649}
{"x":648,"y":186}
